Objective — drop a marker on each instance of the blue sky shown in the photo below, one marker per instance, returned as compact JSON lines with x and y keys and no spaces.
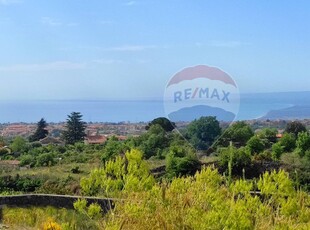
{"x":78,"y":49}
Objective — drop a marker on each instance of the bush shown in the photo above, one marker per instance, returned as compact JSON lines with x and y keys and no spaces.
{"x":303,"y":143}
{"x":255,"y":145}
{"x":112,"y":148}
{"x":45,"y":159}
{"x":181,"y":161}
{"x":238,"y":133}
{"x":264,"y":156}
{"x":238,"y":158}
{"x":27,"y":160}
{"x":129,"y":173}
{"x":18,"y":183}
{"x":277,"y":150}
{"x":288,"y":141}
{"x":4,"y":151}
{"x":19,"y":144}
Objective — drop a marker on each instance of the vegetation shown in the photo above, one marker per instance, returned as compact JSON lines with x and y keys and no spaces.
{"x":202,"y":132}
{"x":41,"y":131}
{"x":238,"y":133}
{"x":255,"y":179}
{"x":75,"y":129}
{"x":165,"y":123}
{"x":295,"y":127}
{"x":177,"y":204}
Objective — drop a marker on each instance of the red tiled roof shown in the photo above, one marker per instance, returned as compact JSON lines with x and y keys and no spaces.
{"x":279,"y":135}
{"x":98,"y":139}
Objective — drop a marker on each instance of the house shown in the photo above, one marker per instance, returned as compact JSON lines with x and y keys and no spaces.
{"x":122,"y":138}
{"x":95,"y":139}
{"x":279,"y":135}
{"x":51,"y":140}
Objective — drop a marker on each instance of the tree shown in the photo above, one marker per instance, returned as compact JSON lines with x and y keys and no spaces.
{"x":154,"y":141}
{"x":239,"y":133}
{"x":295,"y":127}
{"x":303,"y":143}
{"x":112,"y":148}
{"x":75,"y":129}
{"x":19,"y":144}
{"x":181,"y":160}
{"x":203,"y":132}
{"x":236,"y":158}
{"x":288,"y":142}
{"x":40,"y":132}
{"x":268,"y":134}
{"x":255,"y":145}
{"x":277,"y":151}
{"x":165,"y":123}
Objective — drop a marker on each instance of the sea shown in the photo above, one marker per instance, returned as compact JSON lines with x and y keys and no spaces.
{"x":252,"y":106}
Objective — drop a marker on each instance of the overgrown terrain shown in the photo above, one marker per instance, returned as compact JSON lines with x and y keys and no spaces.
{"x":203,"y":177}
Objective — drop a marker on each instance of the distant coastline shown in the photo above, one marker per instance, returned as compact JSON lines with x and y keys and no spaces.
{"x":290,"y":105}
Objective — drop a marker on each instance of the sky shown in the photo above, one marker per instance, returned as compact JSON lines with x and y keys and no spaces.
{"x":110,"y":49}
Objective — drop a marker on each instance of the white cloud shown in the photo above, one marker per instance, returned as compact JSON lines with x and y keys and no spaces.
{"x":51,"y":66}
{"x":107,"y":61}
{"x":50,"y":21}
{"x":72,"y":24}
{"x":106,"y":22}
{"x":54,"y":22}
{"x":132,"y":48}
{"x":227,"y":44}
{"x":131,"y":3}
{"x":10,"y":2}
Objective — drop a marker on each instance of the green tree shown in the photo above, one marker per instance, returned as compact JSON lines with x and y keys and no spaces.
{"x":236,"y":158}
{"x":165,"y":123}
{"x":295,"y":127}
{"x":75,"y":129}
{"x":181,"y":160}
{"x":268,"y":135}
{"x":288,"y":142}
{"x":154,"y":141}
{"x":255,"y":145}
{"x":19,"y":144}
{"x":277,"y":151}
{"x":239,"y":133}
{"x":45,"y":159}
{"x":303,"y":143}
{"x":112,"y":148}
{"x":203,"y":132}
{"x":41,"y":131}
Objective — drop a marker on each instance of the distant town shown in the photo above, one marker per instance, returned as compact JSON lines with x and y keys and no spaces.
{"x":99,"y":132}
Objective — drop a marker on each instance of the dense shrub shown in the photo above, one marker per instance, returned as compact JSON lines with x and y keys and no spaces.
{"x":238,"y":133}
{"x":181,"y":161}
{"x":129,"y":173}
{"x":237,"y":158}
{"x":204,"y":202}
{"x":288,"y":142}
{"x":112,"y":148}
{"x":277,"y":150}
{"x":27,"y":159}
{"x":45,"y":159}
{"x":18,"y":183}
{"x":303,"y":143}
{"x":255,"y":145}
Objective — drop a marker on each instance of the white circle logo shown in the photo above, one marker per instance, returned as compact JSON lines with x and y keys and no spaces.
{"x":201,"y":91}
